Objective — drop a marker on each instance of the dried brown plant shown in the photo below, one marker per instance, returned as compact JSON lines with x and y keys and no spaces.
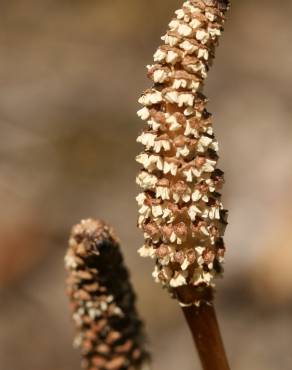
{"x":110,"y":333}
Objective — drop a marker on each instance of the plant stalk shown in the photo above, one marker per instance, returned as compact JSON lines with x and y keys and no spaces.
{"x":204,"y":328}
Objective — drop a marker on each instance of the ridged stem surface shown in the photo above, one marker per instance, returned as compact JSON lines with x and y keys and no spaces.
{"x":205,"y":330}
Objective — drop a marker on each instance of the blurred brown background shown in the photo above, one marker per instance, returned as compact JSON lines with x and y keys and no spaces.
{"x":71,"y":73}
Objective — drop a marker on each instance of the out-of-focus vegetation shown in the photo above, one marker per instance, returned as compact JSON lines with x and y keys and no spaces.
{"x":71,"y":73}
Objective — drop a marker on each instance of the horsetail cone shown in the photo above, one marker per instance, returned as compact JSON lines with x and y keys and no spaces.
{"x":109,"y":330}
{"x":181,"y":213}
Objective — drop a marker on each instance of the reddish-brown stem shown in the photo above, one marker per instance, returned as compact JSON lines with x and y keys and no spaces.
{"x":204,"y":327}
{"x":205,"y":330}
